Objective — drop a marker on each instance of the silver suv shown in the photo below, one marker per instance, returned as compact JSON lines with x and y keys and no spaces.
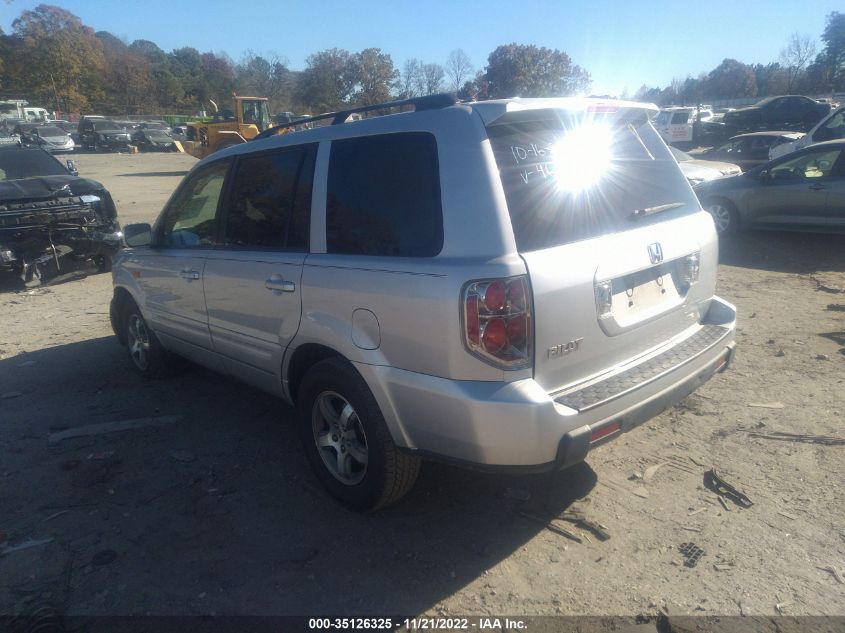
{"x":503,"y":284}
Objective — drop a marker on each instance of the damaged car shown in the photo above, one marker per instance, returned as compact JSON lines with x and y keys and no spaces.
{"x":50,"y":218}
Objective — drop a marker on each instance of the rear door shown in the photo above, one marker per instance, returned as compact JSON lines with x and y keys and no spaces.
{"x":605,"y":222}
{"x":252,"y":280}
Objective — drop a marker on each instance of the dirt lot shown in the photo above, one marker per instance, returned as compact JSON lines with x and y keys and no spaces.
{"x":218,"y":512}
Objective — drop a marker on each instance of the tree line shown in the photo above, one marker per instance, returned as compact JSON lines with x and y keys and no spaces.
{"x":55,"y":61}
{"x":801,"y":68}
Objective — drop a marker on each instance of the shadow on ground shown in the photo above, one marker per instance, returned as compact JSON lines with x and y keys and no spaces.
{"x":149,"y":174}
{"x":219,"y":512}
{"x":799,"y":253}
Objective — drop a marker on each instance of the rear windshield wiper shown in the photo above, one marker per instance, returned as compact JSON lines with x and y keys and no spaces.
{"x":639,"y":213}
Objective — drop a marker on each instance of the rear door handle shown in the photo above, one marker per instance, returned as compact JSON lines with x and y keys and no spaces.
{"x":817,"y":187}
{"x":279,"y":285}
{"x":190,"y":275}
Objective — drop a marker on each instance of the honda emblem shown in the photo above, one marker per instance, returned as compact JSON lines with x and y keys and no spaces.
{"x":655,"y":253}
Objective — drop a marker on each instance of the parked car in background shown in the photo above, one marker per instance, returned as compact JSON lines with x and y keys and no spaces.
{"x":830,"y":128}
{"x":789,"y":112}
{"x":503,"y":284}
{"x":179,"y":132}
{"x":48,"y":214}
{"x":103,"y":134}
{"x":153,"y":140}
{"x":696,"y":170}
{"x":683,"y":126}
{"x":803,"y":190}
{"x":50,"y":138}
{"x":71,"y":127}
{"x":752,"y":149}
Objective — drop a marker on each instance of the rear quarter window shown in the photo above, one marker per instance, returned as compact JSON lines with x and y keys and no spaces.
{"x":383,"y":196}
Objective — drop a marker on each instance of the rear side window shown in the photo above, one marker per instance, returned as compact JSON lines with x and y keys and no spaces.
{"x":270,"y":202}
{"x":569,"y":177}
{"x":383,"y":196}
{"x":680,"y":117}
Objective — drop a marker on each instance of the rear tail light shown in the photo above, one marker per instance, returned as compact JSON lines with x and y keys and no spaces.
{"x":690,"y":267}
{"x":497,"y":321}
{"x":604,"y":298}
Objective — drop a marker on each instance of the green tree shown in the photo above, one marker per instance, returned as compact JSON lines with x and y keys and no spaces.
{"x":517,"y":70}
{"x":328,"y":81}
{"x":731,"y":80}
{"x":833,"y":56}
{"x":262,"y":77}
{"x":374,"y":76}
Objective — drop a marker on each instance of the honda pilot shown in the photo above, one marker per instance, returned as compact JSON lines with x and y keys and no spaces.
{"x":503,"y":285}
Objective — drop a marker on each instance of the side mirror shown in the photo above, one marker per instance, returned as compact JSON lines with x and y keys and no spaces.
{"x":765,"y":175}
{"x":138,"y":234}
{"x":71,"y":167}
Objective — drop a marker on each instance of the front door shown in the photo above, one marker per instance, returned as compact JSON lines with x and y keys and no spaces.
{"x":796,"y":189}
{"x":170,"y":271}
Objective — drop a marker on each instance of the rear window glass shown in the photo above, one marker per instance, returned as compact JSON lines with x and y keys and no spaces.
{"x":568,"y":177}
{"x":383,"y":196}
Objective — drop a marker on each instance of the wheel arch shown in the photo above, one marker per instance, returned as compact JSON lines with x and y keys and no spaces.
{"x":300,"y":361}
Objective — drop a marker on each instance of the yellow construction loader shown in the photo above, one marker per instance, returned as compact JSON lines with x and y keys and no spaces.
{"x":229,"y":127}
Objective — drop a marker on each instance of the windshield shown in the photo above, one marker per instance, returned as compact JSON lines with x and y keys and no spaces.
{"x":568,"y":177}
{"x":51,"y":131}
{"x":107,"y":125}
{"x":25,"y":163}
{"x":256,"y":112}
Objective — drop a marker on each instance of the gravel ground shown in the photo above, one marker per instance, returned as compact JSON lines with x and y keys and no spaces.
{"x":217,"y":512}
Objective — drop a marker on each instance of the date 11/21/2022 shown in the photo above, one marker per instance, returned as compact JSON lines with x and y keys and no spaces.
{"x":478,"y":623}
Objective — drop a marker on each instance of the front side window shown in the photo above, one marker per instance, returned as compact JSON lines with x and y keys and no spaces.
{"x":818,"y":164}
{"x":271,"y":201}
{"x":384,"y":196}
{"x":190,"y":218}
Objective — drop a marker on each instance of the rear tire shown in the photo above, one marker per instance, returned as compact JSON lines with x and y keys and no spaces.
{"x":347,"y":441}
{"x":724,"y":215}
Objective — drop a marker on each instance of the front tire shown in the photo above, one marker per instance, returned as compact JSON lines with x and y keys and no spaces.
{"x":724,"y":216}
{"x":347,"y":440}
{"x":146,"y":355}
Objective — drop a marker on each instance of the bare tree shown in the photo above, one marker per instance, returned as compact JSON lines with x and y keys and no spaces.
{"x":432,"y":78}
{"x":799,"y":51}
{"x":409,"y":80}
{"x":458,"y":68}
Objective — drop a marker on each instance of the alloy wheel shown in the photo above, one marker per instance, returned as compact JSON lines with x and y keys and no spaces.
{"x":340,"y":438}
{"x":138,"y":341}
{"x":721,"y":216}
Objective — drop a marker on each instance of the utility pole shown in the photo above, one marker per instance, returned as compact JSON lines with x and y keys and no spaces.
{"x":56,"y":95}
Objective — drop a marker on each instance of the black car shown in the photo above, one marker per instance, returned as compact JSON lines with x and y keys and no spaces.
{"x":790,"y":112}
{"x":103,"y":134}
{"x":749,"y":150}
{"x":153,"y":140}
{"x":802,"y":190}
{"x":50,"y":216}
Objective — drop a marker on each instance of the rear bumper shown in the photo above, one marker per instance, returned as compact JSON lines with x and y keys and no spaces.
{"x":518,"y":426}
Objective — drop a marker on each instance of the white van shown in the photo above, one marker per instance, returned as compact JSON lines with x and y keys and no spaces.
{"x":676,"y":124}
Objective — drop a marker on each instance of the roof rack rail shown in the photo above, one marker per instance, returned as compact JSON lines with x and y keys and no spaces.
{"x":428,"y":102}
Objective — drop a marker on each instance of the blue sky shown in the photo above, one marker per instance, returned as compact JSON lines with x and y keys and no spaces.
{"x":623,"y":44}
